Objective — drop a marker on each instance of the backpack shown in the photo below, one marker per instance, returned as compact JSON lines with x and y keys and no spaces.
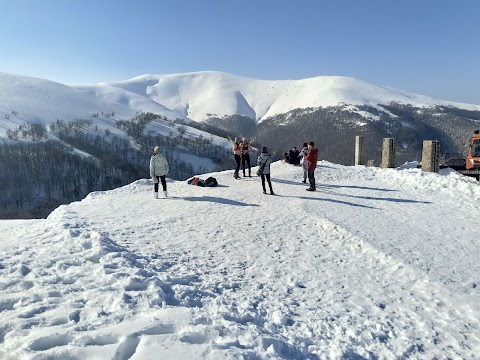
{"x":211,"y":182}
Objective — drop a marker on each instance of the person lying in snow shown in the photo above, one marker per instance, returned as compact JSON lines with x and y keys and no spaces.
{"x":210,"y":182}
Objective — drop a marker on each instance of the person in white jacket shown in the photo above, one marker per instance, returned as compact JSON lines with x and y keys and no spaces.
{"x":264,"y":160}
{"x":158,"y":171}
{"x":304,"y":154}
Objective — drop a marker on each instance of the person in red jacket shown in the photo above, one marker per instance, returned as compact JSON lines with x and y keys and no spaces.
{"x":311,"y":159}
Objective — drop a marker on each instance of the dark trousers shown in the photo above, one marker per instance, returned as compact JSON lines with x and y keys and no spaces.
{"x":164,"y":183}
{"x":311,"y":178}
{"x":237,"y":161}
{"x":263,"y":176}
{"x":246,"y":157}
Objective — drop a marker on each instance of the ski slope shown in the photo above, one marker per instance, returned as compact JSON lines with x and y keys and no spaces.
{"x":377,"y":264}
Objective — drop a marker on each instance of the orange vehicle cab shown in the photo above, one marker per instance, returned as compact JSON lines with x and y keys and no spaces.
{"x":473,"y":156}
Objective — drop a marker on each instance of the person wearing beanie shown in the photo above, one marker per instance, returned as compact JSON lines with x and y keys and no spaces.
{"x":264,"y":160}
{"x":311,"y":159}
{"x":158,"y":171}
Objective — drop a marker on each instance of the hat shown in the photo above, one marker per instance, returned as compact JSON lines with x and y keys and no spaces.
{"x":156,"y":149}
{"x":264,"y":149}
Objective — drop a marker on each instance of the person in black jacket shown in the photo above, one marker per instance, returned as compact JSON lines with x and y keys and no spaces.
{"x":264,"y":160}
{"x":294,"y":156}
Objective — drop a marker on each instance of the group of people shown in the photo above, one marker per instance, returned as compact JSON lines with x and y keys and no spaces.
{"x":241,"y":152}
{"x":308,"y":157}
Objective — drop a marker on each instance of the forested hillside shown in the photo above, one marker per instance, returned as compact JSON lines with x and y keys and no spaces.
{"x":334,"y":129}
{"x":43,"y":167}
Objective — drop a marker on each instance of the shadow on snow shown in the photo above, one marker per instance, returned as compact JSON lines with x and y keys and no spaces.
{"x":218,"y":200}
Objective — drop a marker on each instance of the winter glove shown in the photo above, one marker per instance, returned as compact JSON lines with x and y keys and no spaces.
{"x":155,"y":179}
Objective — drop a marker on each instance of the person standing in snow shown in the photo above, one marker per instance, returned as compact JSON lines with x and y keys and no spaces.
{"x":311,"y":159}
{"x":158,"y":171}
{"x":264,"y":160}
{"x":237,"y":154}
{"x":304,"y":154}
{"x":246,"y":156}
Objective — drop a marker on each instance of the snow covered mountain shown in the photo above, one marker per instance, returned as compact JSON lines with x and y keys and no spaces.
{"x":31,"y":100}
{"x":367,"y":267}
{"x":199,"y":95}
{"x":25,"y":99}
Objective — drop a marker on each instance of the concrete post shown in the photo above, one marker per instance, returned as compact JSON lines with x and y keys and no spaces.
{"x":388,"y":153}
{"x":359,"y":155}
{"x":431,"y":155}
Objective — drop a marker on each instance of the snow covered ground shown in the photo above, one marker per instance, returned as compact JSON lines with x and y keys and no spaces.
{"x":377,"y":264}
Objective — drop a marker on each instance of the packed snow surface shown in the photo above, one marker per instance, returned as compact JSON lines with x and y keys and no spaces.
{"x":377,"y":264}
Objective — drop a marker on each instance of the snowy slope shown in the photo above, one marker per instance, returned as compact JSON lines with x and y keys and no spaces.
{"x":26,"y":99}
{"x":129,"y":100}
{"x":198,"y":94}
{"x":376,"y":264}
{"x":42,"y":102}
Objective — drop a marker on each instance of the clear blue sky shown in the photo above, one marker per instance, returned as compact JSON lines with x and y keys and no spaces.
{"x":430,"y":47}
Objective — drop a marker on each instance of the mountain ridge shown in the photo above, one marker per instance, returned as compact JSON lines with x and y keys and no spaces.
{"x":198,"y":95}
